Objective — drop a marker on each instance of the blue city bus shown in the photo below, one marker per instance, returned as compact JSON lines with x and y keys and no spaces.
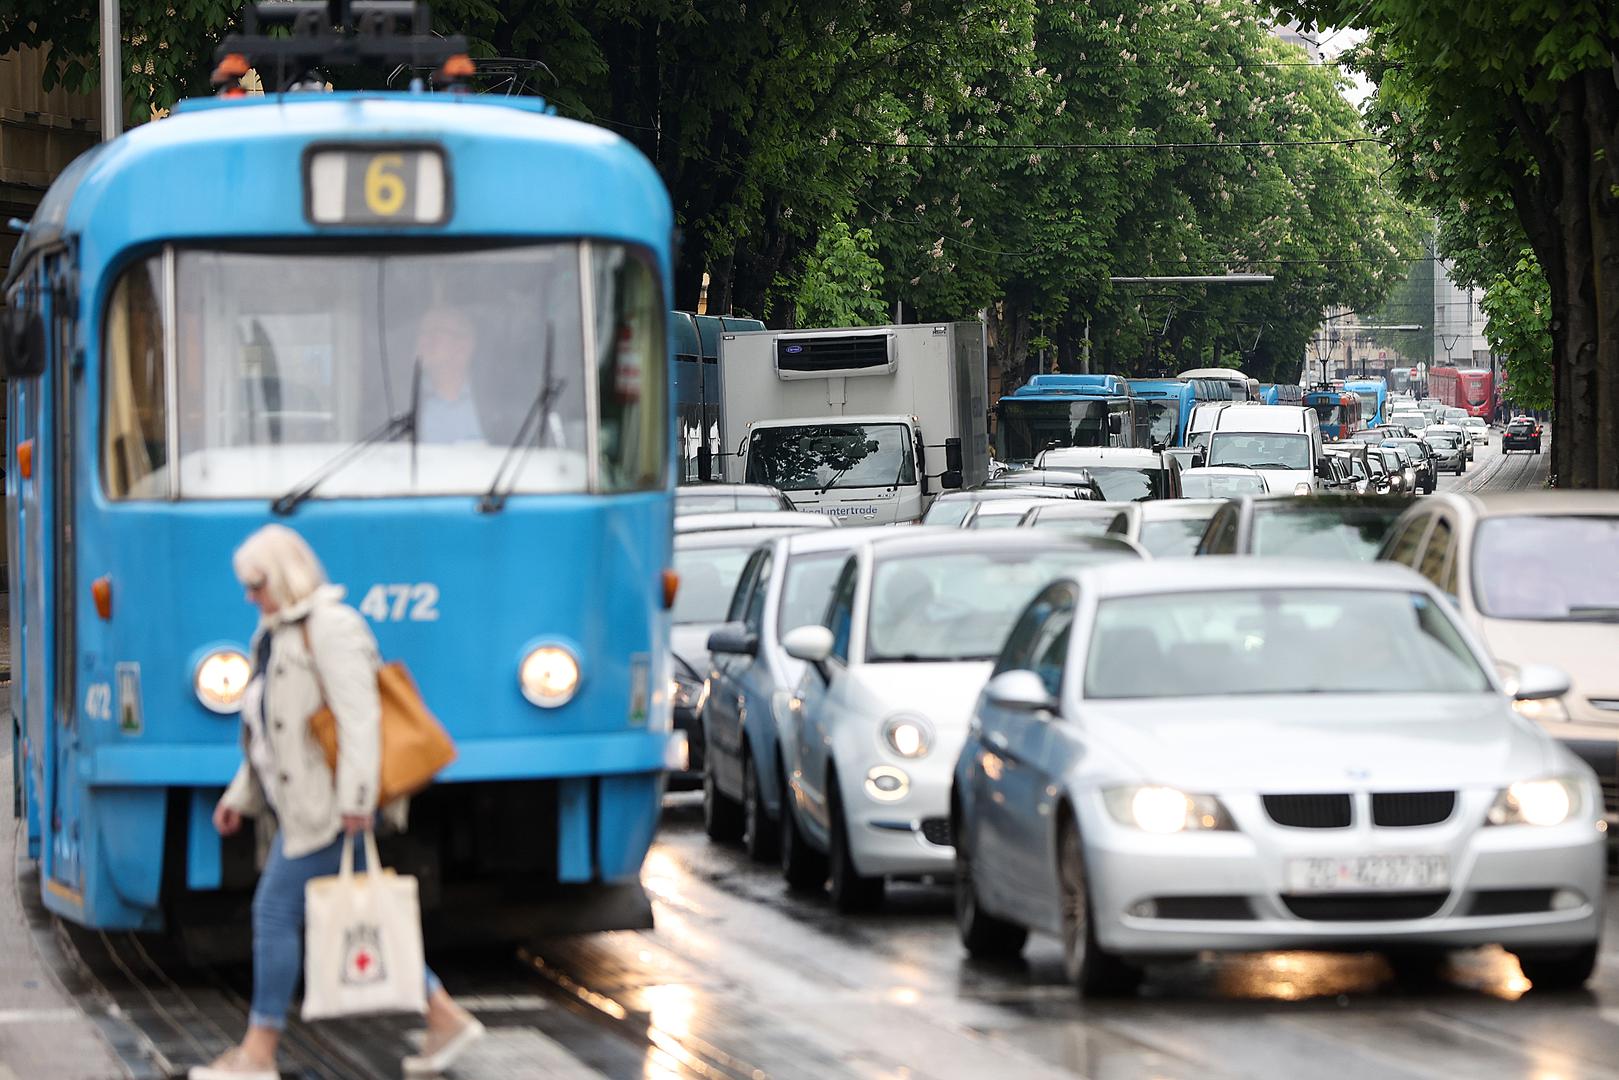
{"x":699,"y":420}
{"x":235,"y":315}
{"x":1281,"y":394}
{"x":1051,"y":411}
{"x":1374,"y":395}
{"x":1167,"y":405}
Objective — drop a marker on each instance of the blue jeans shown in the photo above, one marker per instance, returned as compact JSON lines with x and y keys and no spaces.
{"x":278,"y":927}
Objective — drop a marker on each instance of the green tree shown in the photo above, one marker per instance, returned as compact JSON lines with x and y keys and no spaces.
{"x":1518,"y":307}
{"x":841,"y":283}
{"x":1490,"y":105}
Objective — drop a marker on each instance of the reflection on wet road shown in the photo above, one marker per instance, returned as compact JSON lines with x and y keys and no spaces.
{"x":742,"y":979}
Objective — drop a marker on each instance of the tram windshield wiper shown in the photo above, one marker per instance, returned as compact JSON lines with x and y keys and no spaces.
{"x":495,"y":498}
{"x":392,"y":428}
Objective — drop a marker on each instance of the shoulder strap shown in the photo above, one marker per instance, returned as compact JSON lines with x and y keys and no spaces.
{"x":314,"y":665}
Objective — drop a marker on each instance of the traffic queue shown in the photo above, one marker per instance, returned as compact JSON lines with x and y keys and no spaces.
{"x":1385,"y":728}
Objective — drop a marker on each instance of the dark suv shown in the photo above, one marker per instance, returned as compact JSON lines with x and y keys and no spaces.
{"x":1521,"y":434}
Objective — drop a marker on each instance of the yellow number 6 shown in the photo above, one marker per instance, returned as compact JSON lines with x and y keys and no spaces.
{"x":384,"y":190}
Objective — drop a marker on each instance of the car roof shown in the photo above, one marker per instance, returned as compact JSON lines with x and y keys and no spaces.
{"x":1218,"y":470}
{"x":1174,"y":509}
{"x":714,"y":487}
{"x":1027,"y":491}
{"x":1538,"y":503}
{"x":826,"y":421}
{"x":845,"y":537}
{"x":751,"y":519}
{"x":1013,"y":507}
{"x":727,"y":538}
{"x":1071,"y":457}
{"x":1194,"y":575}
{"x":1078,"y":510}
{"x":895,"y":543}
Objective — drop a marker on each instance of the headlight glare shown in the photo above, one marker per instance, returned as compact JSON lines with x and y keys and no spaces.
{"x":220,"y":680}
{"x":1166,"y":810}
{"x":908,"y":736}
{"x":1541,"y":709}
{"x":688,"y":693}
{"x":1536,"y":802}
{"x":549,"y":676}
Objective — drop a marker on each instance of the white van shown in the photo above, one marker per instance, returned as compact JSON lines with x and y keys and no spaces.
{"x":1284,"y":442}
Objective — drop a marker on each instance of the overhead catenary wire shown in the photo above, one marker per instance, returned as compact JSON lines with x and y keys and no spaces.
{"x":1251,"y":144}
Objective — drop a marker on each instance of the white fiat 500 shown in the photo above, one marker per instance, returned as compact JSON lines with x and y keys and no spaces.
{"x":1168,"y":761}
{"x":913,"y":625}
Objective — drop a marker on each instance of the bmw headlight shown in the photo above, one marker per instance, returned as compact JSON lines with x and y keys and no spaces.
{"x":687,"y":692}
{"x":1536,"y":802}
{"x":1166,"y":810}
{"x":908,"y":736}
{"x":549,"y":676}
{"x":220,"y":680}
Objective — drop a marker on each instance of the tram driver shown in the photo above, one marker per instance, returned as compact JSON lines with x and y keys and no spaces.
{"x":446,"y":339}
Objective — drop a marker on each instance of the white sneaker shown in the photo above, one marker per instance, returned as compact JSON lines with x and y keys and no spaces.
{"x":440,"y":1059}
{"x":231,"y":1065}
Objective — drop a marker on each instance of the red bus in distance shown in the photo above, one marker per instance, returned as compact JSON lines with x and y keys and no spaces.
{"x":1472,"y":389}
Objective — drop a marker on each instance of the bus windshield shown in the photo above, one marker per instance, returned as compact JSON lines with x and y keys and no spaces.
{"x":1028,"y":427}
{"x":1163,"y":418}
{"x":278,"y":363}
{"x":827,"y":456}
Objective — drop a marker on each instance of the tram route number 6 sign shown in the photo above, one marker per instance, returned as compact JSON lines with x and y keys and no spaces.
{"x":385,"y":184}
{"x":404,"y":602}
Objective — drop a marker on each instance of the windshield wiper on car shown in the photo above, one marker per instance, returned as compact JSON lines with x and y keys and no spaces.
{"x":917,"y":658}
{"x":1594,"y":614}
{"x":403,"y":424}
{"x":495,"y":499}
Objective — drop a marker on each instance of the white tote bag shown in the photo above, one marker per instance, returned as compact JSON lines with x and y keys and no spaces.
{"x":362,"y":941}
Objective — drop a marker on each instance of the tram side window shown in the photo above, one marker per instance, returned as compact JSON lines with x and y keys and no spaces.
{"x":134,"y":446}
{"x":630,"y":369}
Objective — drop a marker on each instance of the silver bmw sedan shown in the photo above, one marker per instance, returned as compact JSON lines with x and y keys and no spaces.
{"x":1167,"y":760}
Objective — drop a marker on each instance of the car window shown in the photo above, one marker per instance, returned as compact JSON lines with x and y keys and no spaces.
{"x":1452,"y":584}
{"x":1120,"y":524}
{"x":1222,"y":534}
{"x":754,"y":609}
{"x":805,"y":589}
{"x":840,"y":615}
{"x":709,"y":577}
{"x":1435,"y":552}
{"x":1050,"y":651}
{"x":1404,"y":547}
{"x":1019,"y":652}
{"x":1172,"y":536}
{"x":738,"y":598}
{"x":947,"y":511}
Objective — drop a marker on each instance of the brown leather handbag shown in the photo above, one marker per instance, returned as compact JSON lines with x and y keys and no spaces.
{"x":415,"y":746}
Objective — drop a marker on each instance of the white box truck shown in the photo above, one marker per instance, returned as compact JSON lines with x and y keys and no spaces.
{"x":863,"y":424}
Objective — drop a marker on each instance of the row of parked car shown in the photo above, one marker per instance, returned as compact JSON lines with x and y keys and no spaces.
{"x":1148,"y":755}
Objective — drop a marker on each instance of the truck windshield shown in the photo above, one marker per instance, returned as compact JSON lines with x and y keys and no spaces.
{"x":276,"y":363}
{"x":1028,"y":427}
{"x":827,"y":456}
{"x":1260,"y":450}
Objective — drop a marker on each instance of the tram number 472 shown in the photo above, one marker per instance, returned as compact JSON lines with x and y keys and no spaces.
{"x":406,"y":602}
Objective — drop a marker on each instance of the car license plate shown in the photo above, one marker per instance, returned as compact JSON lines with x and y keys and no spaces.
{"x":1368,"y":873}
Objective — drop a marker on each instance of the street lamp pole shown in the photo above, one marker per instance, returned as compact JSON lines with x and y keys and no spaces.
{"x":112,"y":71}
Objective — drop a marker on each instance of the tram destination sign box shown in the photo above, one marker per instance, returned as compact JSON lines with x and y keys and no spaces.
{"x":376,"y":185}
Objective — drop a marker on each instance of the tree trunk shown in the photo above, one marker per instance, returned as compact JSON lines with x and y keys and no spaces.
{"x":1010,"y":328}
{"x":1602,"y":121}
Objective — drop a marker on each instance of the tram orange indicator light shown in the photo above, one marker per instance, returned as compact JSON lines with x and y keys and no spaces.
{"x":454,"y":69}
{"x":671,"y":587}
{"x":101,"y":593}
{"x":25,"y":458}
{"x":232,"y":67}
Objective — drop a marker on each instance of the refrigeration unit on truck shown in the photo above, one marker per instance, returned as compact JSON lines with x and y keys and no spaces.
{"x":866,"y":424}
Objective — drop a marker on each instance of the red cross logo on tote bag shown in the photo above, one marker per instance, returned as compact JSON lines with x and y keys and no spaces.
{"x":362,"y":956}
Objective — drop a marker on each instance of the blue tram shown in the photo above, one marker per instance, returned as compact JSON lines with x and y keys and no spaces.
{"x":429,"y":332}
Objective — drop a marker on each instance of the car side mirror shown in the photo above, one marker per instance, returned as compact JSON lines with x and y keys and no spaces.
{"x":1537,"y":682}
{"x":733,"y":639}
{"x":811,"y":644}
{"x":1323,"y":470}
{"x":950,"y":479}
{"x":952,"y":458}
{"x":1019,"y":691}
{"x":705,"y":462}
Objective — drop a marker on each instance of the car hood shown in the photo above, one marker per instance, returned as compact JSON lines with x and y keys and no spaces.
{"x":1583,"y":649}
{"x":942,"y":693}
{"x":1287,"y":743}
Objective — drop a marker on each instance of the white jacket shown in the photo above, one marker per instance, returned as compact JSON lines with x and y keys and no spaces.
{"x":309,"y":800}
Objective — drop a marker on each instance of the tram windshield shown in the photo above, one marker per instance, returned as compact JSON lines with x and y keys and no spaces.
{"x":278,"y":363}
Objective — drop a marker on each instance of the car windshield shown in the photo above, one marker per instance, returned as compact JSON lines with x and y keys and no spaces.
{"x":826,"y":456}
{"x":1544,"y":567}
{"x":720,"y":504}
{"x":1336,"y":530}
{"x":1125,"y":484}
{"x":806,"y":587}
{"x":1172,"y":536}
{"x":1082,"y":524}
{"x":1260,"y":450}
{"x":1413,"y":448}
{"x":708,"y":577}
{"x":998,"y":518}
{"x":1028,"y":427}
{"x":948,"y":511}
{"x":1277,"y":641}
{"x":957,"y":606}
{"x":1206,"y":486}
{"x":218,"y":387}
{"x":1443,"y":439}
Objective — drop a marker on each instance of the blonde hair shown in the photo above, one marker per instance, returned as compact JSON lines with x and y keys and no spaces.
{"x":283,"y":561}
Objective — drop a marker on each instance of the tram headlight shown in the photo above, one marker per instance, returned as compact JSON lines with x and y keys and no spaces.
{"x":549,"y":676}
{"x":220,"y":679}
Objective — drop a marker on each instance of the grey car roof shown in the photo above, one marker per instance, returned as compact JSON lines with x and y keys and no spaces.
{"x":1175,"y":509}
{"x":724,"y":538}
{"x":1209,"y":575}
{"x":920,"y":542}
{"x":748,"y":519}
{"x":716,"y":488}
